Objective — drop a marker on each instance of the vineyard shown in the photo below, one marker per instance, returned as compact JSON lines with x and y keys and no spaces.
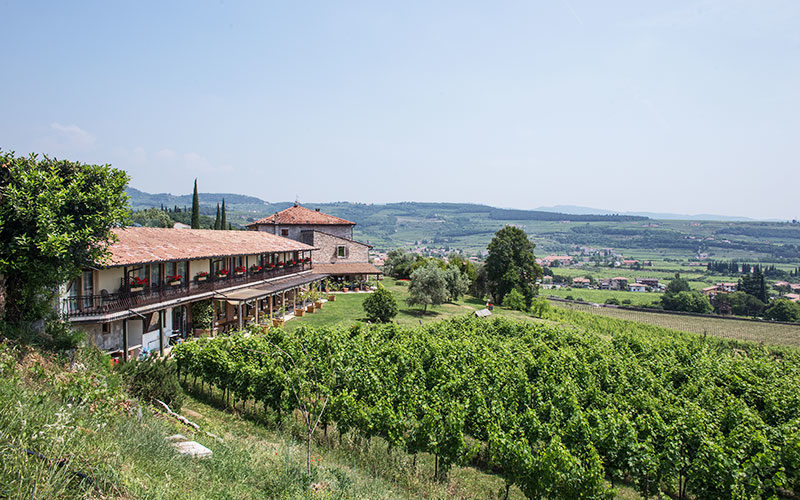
{"x":559,"y":411}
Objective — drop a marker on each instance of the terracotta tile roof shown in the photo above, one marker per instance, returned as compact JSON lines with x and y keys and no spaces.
{"x":346,"y":268}
{"x":298,"y":214}
{"x":138,"y":245}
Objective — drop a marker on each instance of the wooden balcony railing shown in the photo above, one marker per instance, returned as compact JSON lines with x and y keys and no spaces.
{"x":123,"y":300}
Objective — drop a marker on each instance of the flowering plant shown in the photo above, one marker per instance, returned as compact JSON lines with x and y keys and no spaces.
{"x":173,"y":278}
{"x":240,"y":269}
{"x":293,"y":263}
{"x":280,"y":264}
{"x":201,"y":274}
{"x":271,"y":265}
{"x":256,"y":269}
{"x":222,"y":272}
{"x":137,"y":281}
{"x":307,"y":259}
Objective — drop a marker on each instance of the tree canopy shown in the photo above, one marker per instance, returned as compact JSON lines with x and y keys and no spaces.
{"x":55,"y":218}
{"x":428,"y":286}
{"x":511,"y":264}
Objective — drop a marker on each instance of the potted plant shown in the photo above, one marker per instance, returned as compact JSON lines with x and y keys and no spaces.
{"x":311,"y":307}
{"x":315,"y":296}
{"x":174,"y":280}
{"x":280,"y":265}
{"x":222,"y":274}
{"x":299,"y":311}
{"x":256,"y":269}
{"x":201,"y":276}
{"x":238,"y":271}
{"x":278,"y":320}
{"x":137,"y":284}
{"x":202,"y":317}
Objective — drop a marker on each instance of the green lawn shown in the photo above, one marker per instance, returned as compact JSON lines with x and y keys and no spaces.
{"x":347,"y":309}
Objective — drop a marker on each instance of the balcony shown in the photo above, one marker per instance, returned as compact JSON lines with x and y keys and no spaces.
{"x":105,"y":303}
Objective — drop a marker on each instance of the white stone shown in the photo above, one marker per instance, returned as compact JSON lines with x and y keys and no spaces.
{"x":192,"y":449}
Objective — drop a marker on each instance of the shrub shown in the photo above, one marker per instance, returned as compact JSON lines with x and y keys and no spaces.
{"x":515,"y":300}
{"x":154,"y":378}
{"x":626,"y":302}
{"x":569,"y":297}
{"x":612,"y":301}
{"x":380,"y":305}
{"x":539,"y":307}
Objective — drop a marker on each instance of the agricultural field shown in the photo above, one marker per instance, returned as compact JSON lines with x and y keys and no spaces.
{"x":741,"y":330}
{"x":600,"y":296}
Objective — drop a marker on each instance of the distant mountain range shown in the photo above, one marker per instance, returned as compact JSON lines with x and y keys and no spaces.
{"x":578,"y":210}
{"x":251,"y":204}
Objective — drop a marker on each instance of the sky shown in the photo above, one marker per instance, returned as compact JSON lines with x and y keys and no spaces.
{"x":662,"y":106}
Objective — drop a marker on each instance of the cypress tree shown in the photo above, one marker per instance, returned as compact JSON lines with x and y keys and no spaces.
{"x":216,"y":221}
{"x":195,"y":208}
{"x":223,"y":223}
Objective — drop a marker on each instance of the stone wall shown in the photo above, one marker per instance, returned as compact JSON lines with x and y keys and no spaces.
{"x":328,"y":244}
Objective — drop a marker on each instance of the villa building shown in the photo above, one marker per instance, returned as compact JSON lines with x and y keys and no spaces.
{"x":143,"y":295}
{"x":335,"y":251}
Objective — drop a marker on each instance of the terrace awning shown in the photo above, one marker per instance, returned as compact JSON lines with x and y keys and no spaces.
{"x":242,"y":296}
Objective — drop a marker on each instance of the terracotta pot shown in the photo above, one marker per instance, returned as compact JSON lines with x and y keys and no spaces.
{"x":299,"y":312}
{"x":318,"y":304}
{"x":310,"y":309}
{"x":277,"y":322}
{"x":331,"y":298}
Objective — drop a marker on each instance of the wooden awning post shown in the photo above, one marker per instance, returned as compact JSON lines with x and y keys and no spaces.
{"x":162,"y":317}
{"x":240,"y":316}
{"x":125,"y":339}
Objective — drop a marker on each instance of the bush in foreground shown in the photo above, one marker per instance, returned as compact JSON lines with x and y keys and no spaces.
{"x":380,"y":306}
{"x":154,"y":379}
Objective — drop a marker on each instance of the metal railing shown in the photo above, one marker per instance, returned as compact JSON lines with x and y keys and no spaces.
{"x":105,"y":303}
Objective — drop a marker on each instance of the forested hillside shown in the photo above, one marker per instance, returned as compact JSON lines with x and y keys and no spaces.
{"x":469,"y":227}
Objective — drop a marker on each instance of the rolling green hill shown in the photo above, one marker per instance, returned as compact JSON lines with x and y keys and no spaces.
{"x":469,"y":227}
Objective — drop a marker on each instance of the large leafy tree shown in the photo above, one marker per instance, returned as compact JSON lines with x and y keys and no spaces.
{"x":399,"y":263}
{"x":783,"y":310}
{"x":55,"y":218}
{"x":428,"y":286}
{"x":511,"y":264}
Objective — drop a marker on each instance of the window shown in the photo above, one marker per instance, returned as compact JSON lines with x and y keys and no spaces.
{"x":155,"y":274}
{"x":88,"y":288}
{"x":106,"y":328}
{"x":285,"y":232}
{"x":341,"y":251}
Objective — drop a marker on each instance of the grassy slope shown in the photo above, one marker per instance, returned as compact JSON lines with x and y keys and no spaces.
{"x":83,"y":417}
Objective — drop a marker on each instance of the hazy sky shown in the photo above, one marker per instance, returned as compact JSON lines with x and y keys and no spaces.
{"x":681,"y":106}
